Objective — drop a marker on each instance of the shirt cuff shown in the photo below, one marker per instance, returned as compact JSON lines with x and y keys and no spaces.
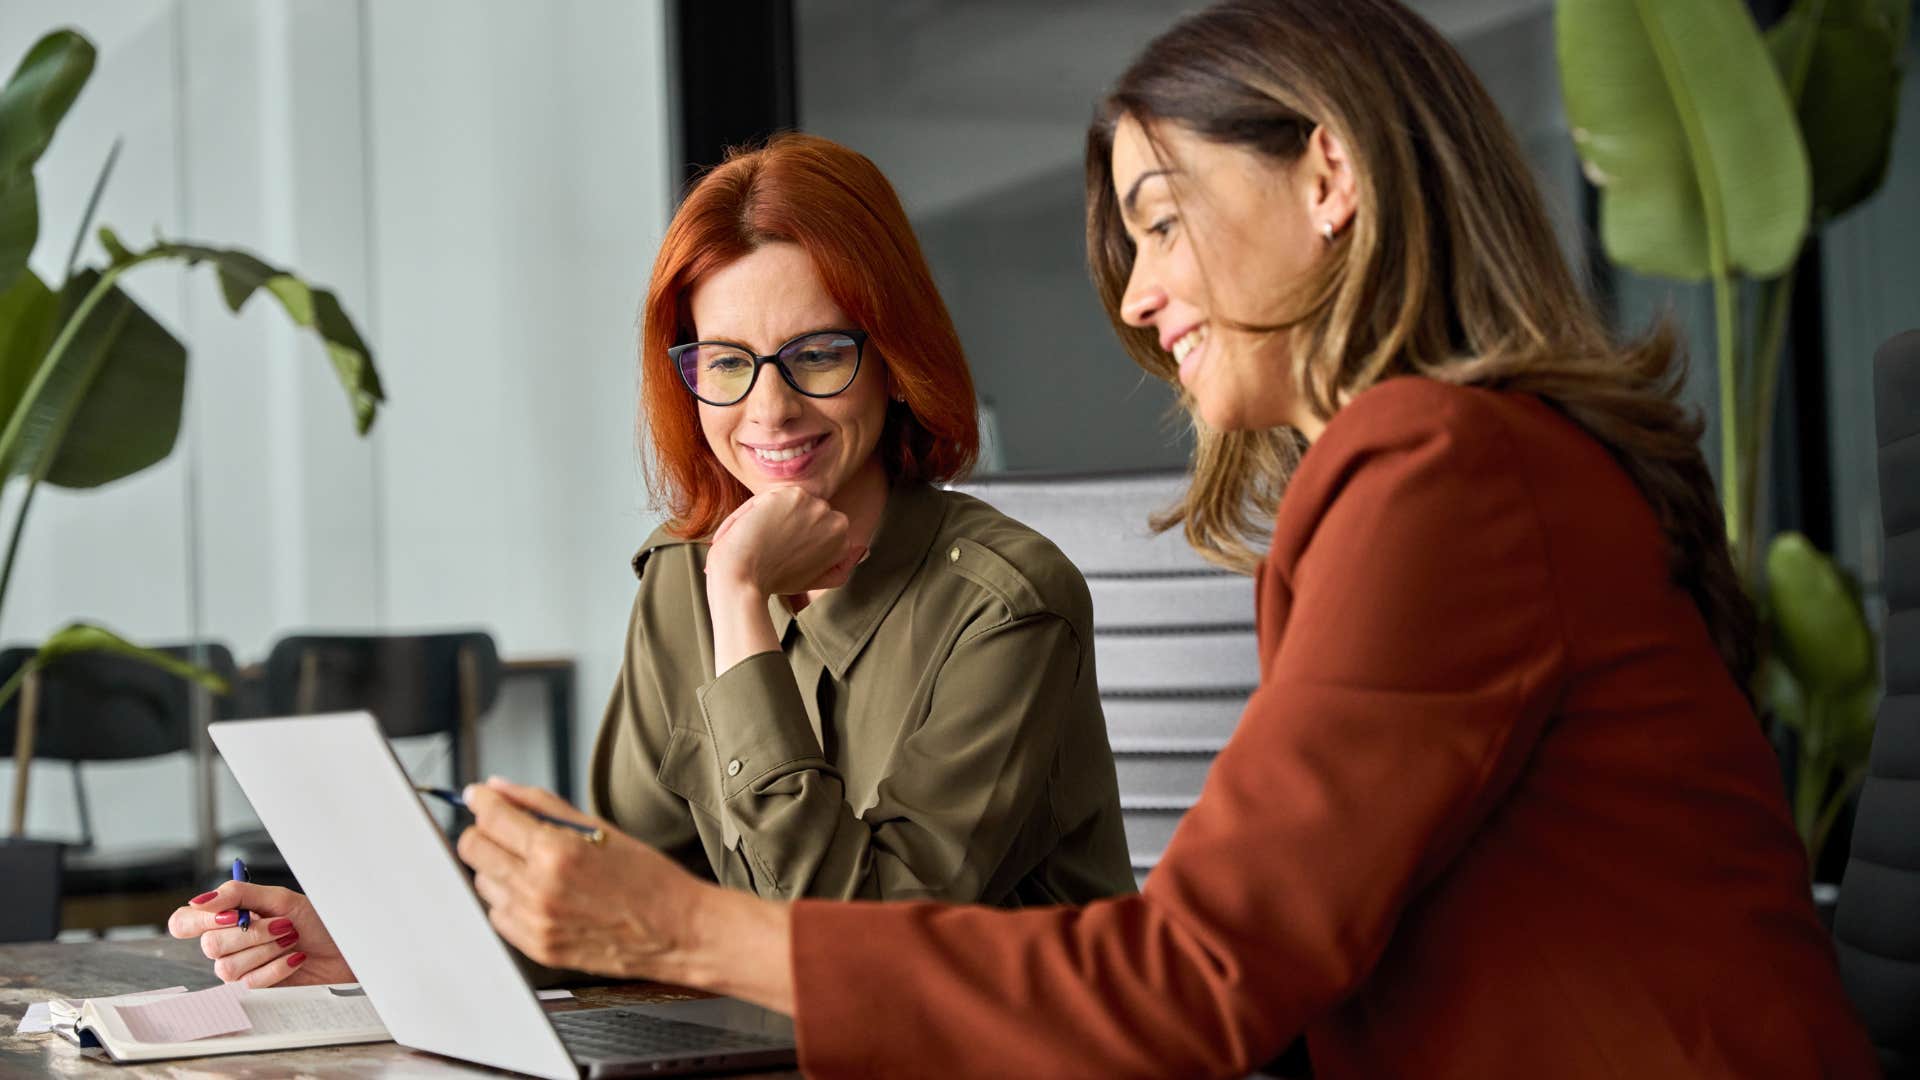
{"x":756,"y":720}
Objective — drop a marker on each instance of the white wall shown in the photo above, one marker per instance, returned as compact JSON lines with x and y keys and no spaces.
{"x":483,"y":184}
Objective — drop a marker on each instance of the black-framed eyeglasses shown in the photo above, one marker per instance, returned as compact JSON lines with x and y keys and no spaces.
{"x":819,"y":364}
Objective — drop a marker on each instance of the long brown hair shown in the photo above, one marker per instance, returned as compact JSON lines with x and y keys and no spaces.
{"x":1449,"y":270}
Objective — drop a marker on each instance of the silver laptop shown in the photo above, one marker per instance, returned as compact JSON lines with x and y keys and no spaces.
{"x":396,"y":899}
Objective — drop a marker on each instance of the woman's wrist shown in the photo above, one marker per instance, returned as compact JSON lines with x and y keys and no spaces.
{"x":737,"y":944}
{"x":741,"y":625}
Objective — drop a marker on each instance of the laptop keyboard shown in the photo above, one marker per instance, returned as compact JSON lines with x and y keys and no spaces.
{"x":622,"y":1033}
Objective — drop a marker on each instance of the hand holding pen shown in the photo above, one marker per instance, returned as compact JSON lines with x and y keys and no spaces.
{"x":592,"y":834}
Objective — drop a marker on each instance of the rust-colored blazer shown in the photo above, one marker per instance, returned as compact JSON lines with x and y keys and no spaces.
{"x":1496,"y":809}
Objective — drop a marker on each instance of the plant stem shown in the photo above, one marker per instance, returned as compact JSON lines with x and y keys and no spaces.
{"x":13,"y":684}
{"x":15,"y":431}
{"x":86,"y":217}
{"x":13,"y":546}
{"x":1776,"y":300}
{"x":1732,"y":502}
{"x":1830,"y":814}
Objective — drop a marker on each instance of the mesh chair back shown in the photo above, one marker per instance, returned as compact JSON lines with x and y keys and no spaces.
{"x":1174,"y":642}
{"x":1877,"y":924}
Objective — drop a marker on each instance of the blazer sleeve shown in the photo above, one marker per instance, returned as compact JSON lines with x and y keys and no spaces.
{"x":958,"y":792}
{"x":1421,"y":655}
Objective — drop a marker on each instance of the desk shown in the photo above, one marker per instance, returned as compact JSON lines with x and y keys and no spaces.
{"x":41,"y":971}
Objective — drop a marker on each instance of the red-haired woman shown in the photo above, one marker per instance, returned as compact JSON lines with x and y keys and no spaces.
{"x":905,"y":704}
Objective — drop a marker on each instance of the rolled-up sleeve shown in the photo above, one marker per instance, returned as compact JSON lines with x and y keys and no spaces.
{"x":1418,"y":664}
{"x":960,"y":788}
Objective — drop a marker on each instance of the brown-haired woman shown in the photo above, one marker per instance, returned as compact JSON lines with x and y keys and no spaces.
{"x":1499,"y":806}
{"x":840,"y":680}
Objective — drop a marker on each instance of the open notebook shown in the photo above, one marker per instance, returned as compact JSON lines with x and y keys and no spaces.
{"x":229,"y":1019}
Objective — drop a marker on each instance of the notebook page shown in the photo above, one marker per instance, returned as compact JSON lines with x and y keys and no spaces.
{"x":180,"y":1018}
{"x":308,"y":1014}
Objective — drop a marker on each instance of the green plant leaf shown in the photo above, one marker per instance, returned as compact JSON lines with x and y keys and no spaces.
{"x":1820,"y":629}
{"x":19,"y":223}
{"x":129,"y":417}
{"x":1853,"y":715}
{"x":242,"y":274}
{"x":32,"y":105}
{"x":1682,"y":123}
{"x":86,"y":637}
{"x":1841,"y":61}
{"x":39,"y":421}
{"x":26,"y":329}
{"x":1781,"y":693}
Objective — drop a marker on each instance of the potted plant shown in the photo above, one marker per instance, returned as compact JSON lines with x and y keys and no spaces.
{"x":91,"y":385}
{"x":1716,"y":149}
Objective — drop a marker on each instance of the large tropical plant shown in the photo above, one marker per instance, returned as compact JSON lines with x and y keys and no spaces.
{"x":1716,"y":149}
{"x":91,"y":385}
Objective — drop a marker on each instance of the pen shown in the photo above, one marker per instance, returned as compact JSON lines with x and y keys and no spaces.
{"x":240,"y":874}
{"x":592,"y":833}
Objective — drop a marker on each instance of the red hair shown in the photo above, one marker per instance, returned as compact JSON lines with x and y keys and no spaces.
{"x":835,"y":205}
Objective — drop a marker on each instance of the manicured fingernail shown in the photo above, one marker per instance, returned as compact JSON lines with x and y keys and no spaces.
{"x":226,"y":918}
{"x":203,"y":897}
{"x":283,"y":942}
{"x":296,"y":959}
{"x":279,"y":926}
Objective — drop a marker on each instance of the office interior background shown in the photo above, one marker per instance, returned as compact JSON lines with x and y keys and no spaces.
{"x":484,"y":183}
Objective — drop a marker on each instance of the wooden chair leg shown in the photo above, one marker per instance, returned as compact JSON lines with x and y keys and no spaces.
{"x":467,"y":760}
{"x":308,"y":692}
{"x":23,"y":751}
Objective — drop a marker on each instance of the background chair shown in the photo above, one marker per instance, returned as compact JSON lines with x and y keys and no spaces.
{"x":93,"y":707}
{"x":414,"y":685}
{"x":1877,"y":925}
{"x":1173,"y":635}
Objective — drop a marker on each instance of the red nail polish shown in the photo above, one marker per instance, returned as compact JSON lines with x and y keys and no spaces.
{"x":203,"y":898}
{"x":286,"y":941}
{"x":226,"y":918}
{"x":296,"y":959}
{"x":279,"y":926}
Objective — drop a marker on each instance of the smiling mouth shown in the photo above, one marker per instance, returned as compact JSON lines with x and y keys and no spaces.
{"x":787,"y":453}
{"x":1188,"y":342}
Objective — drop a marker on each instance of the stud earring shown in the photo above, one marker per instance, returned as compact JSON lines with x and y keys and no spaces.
{"x":1326,"y":230}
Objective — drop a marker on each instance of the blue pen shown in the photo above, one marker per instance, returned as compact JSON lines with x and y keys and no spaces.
{"x":593,"y":834}
{"x":240,"y":874}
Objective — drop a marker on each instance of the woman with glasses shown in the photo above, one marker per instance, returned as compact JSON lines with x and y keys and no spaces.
{"x":840,"y":680}
{"x":1500,"y":806}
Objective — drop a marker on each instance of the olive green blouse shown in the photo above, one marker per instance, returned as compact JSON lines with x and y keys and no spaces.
{"x":932,"y":729}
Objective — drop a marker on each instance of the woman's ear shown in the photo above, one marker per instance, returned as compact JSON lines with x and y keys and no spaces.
{"x":1330,"y":184}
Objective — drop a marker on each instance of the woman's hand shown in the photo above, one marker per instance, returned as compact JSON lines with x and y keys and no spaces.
{"x":564,"y":901}
{"x":284,"y":941}
{"x":617,"y":908}
{"x":783,"y":542}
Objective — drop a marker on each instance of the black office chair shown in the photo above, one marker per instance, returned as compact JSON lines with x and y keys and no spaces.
{"x":1877,"y":925}
{"x":414,"y":685}
{"x":99,"y":706}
